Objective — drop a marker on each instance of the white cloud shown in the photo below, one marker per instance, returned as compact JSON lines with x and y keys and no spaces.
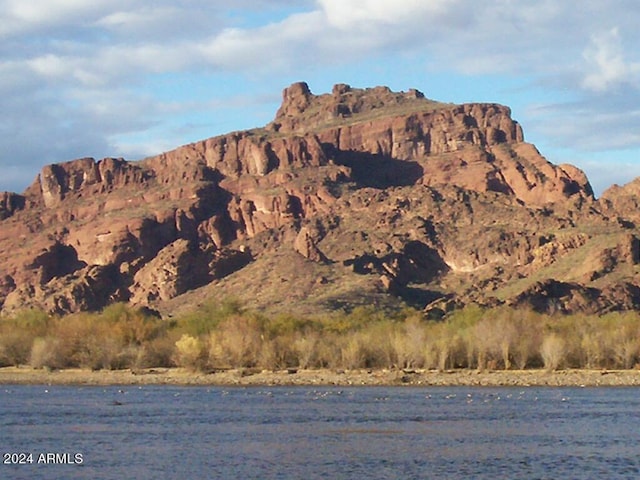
{"x":355,"y":14}
{"x":132,"y":21}
{"x":49,"y":65}
{"x":52,"y":11}
{"x":608,"y":67}
{"x":272,"y":47}
{"x":20,"y":17}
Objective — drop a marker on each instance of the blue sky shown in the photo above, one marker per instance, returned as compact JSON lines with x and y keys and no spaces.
{"x":135,"y":78}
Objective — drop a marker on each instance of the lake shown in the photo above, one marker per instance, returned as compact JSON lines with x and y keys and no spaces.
{"x":158,"y":432}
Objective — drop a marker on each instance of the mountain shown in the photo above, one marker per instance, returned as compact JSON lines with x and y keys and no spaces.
{"x":355,"y":197}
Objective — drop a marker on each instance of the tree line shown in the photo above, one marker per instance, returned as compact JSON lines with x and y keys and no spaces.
{"x":226,"y":335}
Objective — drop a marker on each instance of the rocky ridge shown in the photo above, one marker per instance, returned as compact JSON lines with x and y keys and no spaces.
{"x":358,"y":196}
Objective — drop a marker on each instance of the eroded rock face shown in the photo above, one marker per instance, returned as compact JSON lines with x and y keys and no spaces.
{"x":553,"y":297}
{"x":10,"y":203}
{"x":393,"y":193}
{"x":57,"y":181}
{"x":175,"y":269}
{"x":305,"y":245}
{"x":57,"y":261}
{"x":87,"y":289}
{"x":623,"y":202}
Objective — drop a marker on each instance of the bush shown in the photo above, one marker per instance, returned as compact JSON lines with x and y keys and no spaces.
{"x":552,"y":351}
{"x":408,"y":342}
{"x":158,"y":352}
{"x":528,"y":339}
{"x":305,"y":346}
{"x":15,"y":348}
{"x":352,"y":352}
{"x":17,"y":334}
{"x":45,"y":353}
{"x":189,"y":352}
{"x":236,"y":342}
{"x":277,"y":353}
{"x":208,"y":316}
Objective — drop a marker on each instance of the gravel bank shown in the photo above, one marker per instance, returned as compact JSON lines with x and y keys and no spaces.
{"x":177,"y":376}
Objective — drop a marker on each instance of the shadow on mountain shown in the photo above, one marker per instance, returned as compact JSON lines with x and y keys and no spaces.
{"x":377,"y":170}
{"x":417,"y":297}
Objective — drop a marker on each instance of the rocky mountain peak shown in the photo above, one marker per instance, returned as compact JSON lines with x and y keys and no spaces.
{"x":357,"y":196}
{"x":302,"y":110}
{"x":475,"y":146}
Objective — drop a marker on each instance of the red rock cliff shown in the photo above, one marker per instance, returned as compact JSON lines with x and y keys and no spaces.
{"x":136,"y":230}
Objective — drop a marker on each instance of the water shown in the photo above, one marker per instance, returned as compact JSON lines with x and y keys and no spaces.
{"x":158,"y":432}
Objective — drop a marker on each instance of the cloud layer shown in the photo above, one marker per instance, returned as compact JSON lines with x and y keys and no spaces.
{"x":113,"y":77}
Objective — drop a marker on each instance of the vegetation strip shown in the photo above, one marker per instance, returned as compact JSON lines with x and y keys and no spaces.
{"x":220,"y":337}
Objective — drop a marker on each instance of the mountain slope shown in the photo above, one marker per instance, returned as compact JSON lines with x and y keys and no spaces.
{"x":359,"y":196}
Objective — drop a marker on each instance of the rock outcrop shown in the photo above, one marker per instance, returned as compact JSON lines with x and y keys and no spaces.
{"x":475,"y":146}
{"x":387,"y":197}
{"x":305,"y":245}
{"x":553,"y":297}
{"x":10,"y":203}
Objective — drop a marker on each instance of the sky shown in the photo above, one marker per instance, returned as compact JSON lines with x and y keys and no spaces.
{"x":125,"y":78}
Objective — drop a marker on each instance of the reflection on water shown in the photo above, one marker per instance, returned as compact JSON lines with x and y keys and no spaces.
{"x":299,"y":432}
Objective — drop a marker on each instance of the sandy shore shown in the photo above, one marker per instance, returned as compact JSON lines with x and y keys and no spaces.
{"x":240,"y":377}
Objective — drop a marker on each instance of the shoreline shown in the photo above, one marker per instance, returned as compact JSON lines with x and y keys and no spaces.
{"x":321,"y":377}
